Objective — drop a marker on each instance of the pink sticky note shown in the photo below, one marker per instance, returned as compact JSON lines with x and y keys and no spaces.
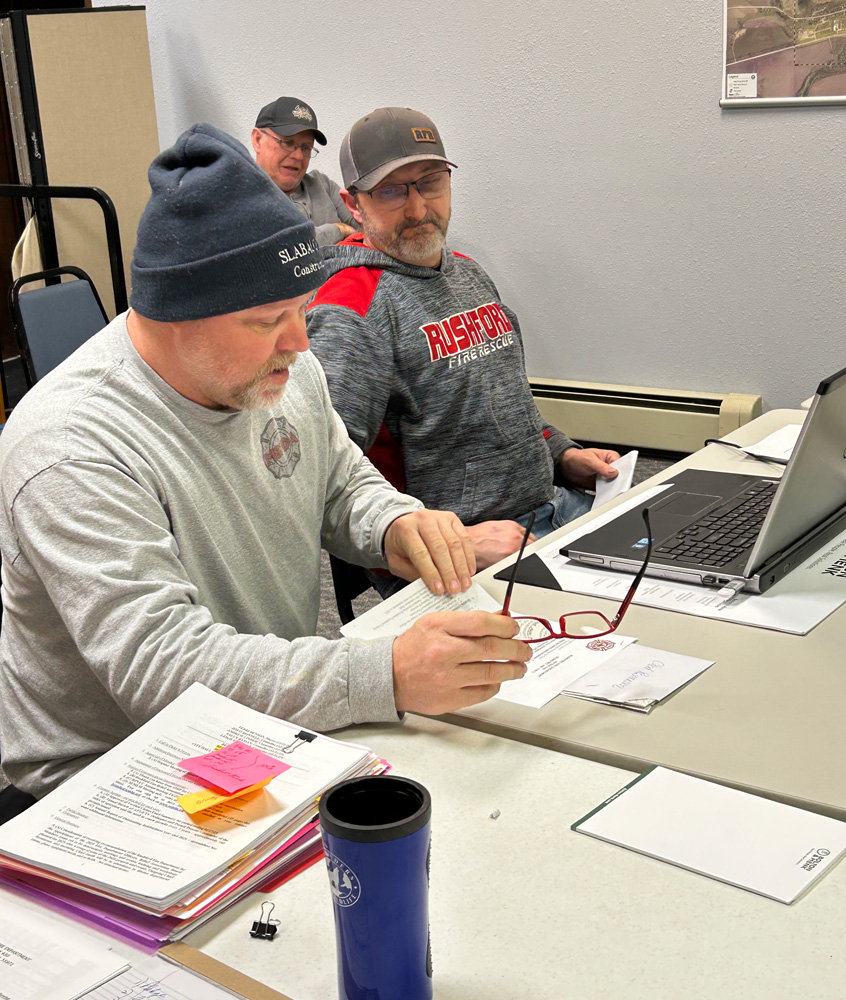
{"x":234,"y":767}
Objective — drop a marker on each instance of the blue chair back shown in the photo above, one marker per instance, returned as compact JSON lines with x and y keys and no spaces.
{"x":52,"y":322}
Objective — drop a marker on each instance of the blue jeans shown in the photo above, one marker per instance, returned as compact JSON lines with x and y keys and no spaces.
{"x":565,"y":506}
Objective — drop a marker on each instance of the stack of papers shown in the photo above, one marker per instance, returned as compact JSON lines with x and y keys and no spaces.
{"x":112,"y":845}
{"x":750,"y":842}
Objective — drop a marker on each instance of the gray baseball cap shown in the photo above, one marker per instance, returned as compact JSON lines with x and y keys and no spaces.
{"x":288,"y":116}
{"x":385,"y":139}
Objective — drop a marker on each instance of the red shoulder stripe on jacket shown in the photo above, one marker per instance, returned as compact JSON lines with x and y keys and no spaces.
{"x":354,"y":287}
{"x":386,"y":454}
{"x":455,"y":253}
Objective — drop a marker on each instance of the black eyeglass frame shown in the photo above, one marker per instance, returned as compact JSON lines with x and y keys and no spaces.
{"x":281,"y":141}
{"x":563,"y":634}
{"x":409,"y":185}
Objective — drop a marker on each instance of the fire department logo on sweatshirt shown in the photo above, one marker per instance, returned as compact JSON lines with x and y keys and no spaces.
{"x":280,"y":447}
{"x":465,"y":330}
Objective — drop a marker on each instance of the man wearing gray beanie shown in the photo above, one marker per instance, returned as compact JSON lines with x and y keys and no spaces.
{"x":167,"y":489}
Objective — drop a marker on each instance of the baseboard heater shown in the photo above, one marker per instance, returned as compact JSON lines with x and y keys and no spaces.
{"x":655,"y":419}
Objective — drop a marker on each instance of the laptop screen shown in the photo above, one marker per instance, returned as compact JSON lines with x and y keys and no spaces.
{"x":813,"y":486}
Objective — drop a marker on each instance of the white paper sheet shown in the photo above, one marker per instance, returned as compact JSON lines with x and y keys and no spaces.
{"x":607,"y":489}
{"x":401,"y":611}
{"x":556,"y":664}
{"x":44,"y":958}
{"x":779,"y":444}
{"x":638,"y":677}
{"x":748,"y":841}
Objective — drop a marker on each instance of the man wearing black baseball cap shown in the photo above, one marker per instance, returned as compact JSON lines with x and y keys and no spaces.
{"x":165,"y":493}
{"x":283,"y":140}
{"x":424,"y":362}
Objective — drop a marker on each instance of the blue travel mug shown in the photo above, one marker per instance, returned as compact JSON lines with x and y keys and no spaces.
{"x":376,"y":836}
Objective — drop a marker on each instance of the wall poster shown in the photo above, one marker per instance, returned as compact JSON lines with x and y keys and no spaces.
{"x":787,"y":52}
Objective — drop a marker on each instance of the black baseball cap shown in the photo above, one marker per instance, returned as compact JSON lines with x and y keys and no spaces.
{"x":289,"y":115}
{"x":385,"y":139}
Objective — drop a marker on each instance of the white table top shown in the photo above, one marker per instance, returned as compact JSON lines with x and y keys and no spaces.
{"x":768,"y":716}
{"x":523,"y":907}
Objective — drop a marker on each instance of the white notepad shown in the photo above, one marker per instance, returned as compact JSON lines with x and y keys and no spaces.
{"x":750,"y":842}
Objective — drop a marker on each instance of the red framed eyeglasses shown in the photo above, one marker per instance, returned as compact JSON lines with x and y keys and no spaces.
{"x":573,"y":624}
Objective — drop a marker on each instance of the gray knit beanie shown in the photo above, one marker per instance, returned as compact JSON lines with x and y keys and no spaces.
{"x":217,"y":235}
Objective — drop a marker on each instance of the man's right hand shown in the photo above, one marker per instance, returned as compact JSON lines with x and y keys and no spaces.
{"x":452,"y":659}
{"x":494,"y":540}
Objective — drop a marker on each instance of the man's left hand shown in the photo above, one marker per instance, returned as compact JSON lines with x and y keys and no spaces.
{"x":581,"y":466}
{"x":432,"y":544}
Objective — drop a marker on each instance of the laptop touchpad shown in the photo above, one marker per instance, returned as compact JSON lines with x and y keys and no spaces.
{"x":685,"y":504}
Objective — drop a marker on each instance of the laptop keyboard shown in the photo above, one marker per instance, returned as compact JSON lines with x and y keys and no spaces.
{"x":718,"y":538}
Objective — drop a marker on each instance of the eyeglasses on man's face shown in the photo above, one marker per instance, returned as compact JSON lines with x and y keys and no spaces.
{"x":393,"y":196}
{"x":289,"y":147}
{"x":574,"y":624}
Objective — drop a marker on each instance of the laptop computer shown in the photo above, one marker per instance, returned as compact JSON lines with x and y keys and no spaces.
{"x":745,"y":532}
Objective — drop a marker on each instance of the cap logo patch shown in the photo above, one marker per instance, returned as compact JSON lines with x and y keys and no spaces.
{"x":423,"y":135}
{"x":301,"y":112}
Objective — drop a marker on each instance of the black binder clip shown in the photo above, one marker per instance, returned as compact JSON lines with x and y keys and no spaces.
{"x":301,"y":738}
{"x":264,"y":927}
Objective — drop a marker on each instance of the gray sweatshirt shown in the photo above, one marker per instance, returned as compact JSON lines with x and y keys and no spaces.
{"x":426,"y":367}
{"x":319,"y":197}
{"x":149,"y":542}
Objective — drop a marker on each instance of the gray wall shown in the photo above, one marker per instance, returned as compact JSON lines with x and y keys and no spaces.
{"x":642,"y":235}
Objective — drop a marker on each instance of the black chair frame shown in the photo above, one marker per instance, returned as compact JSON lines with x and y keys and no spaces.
{"x":18,"y":320}
{"x":44,"y":193}
{"x":349,"y":581}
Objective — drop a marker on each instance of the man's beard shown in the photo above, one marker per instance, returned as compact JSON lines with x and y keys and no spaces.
{"x":417,"y":247}
{"x":253,"y":395}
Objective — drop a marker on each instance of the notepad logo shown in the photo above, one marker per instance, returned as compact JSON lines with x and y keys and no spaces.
{"x":810,"y":861}
{"x":346,"y":888}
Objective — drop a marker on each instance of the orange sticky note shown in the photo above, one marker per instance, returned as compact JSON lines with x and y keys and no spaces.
{"x":195,"y":802}
{"x":234,"y":767}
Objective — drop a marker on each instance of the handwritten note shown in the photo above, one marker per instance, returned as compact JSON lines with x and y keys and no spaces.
{"x":234,"y":767}
{"x":196,"y":802}
{"x":639,"y":678}
{"x":151,"y":978}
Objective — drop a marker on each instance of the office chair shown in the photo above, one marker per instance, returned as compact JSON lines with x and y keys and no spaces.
{"x":51,"y":322}
{"x":349,"y":582}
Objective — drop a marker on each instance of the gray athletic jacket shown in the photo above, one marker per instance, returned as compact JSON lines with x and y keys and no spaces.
{"x":426,"y":367}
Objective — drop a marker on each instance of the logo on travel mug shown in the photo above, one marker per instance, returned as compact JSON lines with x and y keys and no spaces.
{"x":344,"y":883}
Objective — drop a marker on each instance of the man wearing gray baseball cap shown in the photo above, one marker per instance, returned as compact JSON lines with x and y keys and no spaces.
{"x":424,"y":362}
{"x":167,"y":489}
{"x":284,"y":140}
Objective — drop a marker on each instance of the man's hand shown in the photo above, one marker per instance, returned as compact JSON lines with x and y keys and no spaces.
{"x":433,"y":544}
{"x":581,"y":466}
{"x":453,"y":659}
{"x":345,"y":229}
{"x":494,"y":540}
